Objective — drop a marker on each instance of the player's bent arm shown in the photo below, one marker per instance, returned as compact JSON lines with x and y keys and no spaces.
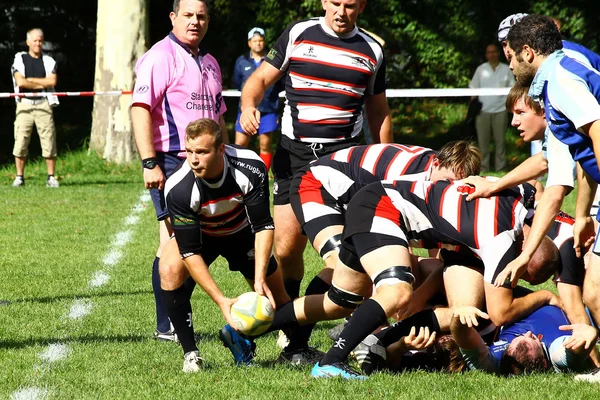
{"x":256,"y":85}
{"x":571,"y":297}
{"x":472,"y":347}
{"x":593,"y":131}
{"x":263,"y":245}
{"x":545,"y":212}
{"x":24,"y":83}
{"x":378,"y":115}
{"x":47,"y":82}
{"x":529,"y":169}
{"x":504,"y":309}
{"x":142,"y":130}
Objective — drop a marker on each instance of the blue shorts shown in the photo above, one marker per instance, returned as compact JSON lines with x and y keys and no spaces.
{"x":168,"y":163}
{"x":268,"y":123}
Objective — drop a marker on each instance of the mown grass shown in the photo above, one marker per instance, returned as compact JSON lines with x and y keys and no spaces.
{"x":53,"y":241}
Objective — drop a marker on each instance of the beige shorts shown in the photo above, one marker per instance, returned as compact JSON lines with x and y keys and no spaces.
{"x":40,"y":115}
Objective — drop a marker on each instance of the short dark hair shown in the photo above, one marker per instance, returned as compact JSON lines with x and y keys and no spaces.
{"x":520,"y":91}
{"x":461,"y":157}
{"x":517,"y":360}
{"x":204,"y":126}
{"x":176,"y":5}
{"x":536,"y":31}
{"x":544,"y":262}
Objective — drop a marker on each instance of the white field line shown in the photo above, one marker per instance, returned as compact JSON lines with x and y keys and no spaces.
{"x":81,"y":307}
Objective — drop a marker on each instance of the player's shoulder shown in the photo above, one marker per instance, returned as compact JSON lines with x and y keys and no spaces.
{"x":181,"y":180}
{"x":303,"y":23}
{"x":245,"y":160}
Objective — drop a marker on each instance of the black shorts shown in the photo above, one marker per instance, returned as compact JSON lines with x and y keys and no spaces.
{"x":356,"y":246}
{"x":237,"y":249}
{"x":292,"y":155}
{"x":314,"y":207}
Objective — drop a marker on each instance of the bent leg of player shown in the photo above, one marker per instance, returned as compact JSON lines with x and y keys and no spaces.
{"x":177,"y":301}
{"x":289,"y":247}
{"x":386,"y":260}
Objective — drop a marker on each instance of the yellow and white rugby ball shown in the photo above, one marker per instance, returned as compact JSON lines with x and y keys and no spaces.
{"x":252,"y":314}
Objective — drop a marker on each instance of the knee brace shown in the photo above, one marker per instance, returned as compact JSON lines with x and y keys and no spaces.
{"x":332,"y":244}
{"x":393,"y":276}
{"x":343,"y":298}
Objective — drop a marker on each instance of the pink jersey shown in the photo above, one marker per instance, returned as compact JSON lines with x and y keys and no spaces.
{"x":178,"y":88}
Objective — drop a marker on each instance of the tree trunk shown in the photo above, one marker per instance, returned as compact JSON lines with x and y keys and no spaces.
{"x":121,"y":37}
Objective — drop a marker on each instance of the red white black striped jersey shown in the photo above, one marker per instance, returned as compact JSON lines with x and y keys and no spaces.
{"x":430,"y":214}
{"x":240,"y":198}
{"x":572,"y":268}
{"x":345,"y":172}
{"x":327,"y":77}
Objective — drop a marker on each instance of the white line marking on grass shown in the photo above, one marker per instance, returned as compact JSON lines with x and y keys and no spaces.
{"x":55,"y":352}
{"x":30,"y":393}
{"x":100,"y":278}
{"x":81,"y":307}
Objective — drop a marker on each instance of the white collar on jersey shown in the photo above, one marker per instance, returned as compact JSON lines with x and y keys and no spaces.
{"x":220,"y":182}
{"x":330,"y":31}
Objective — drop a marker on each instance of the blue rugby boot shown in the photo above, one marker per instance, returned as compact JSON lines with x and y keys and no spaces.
{"x":241,"y":348}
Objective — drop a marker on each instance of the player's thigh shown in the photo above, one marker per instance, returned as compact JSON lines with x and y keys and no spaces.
{"x":288,"y":236}
{"x":464,"y":286}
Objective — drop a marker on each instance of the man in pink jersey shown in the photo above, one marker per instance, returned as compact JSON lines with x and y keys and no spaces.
{"x":176,"y":83}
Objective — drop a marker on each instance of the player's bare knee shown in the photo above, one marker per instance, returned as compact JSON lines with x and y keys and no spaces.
{"x":172,"y":274}
{"x":395,"y":285}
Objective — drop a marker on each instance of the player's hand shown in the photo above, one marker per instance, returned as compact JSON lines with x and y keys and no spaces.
{"x":583,"y":336}
{"x":250,"y":120}
{"x":483,"y":187}
{"x":421,"y":341}
{"x":584,"y":235}
{"x":467,"y":315}
{"x":414,"y":306}
{"x":261,"y":287}
{"x":225,"y":306}
{"x":554,"y":300}
{"x":512,"y":272}
{"x":154,"y":178}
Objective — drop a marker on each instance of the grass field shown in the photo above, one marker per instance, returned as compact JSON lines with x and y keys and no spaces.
{"x":77,"y":311}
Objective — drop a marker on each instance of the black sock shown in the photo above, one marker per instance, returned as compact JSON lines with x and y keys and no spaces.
{"x":180,"y":312}
{"x":189,"y":284}
{"x":299,"y":336}
{"x":285,"y":319}
{"x":425,"y":318}
{"x":292,"y":287}
{"x":162,"y":319}
{"x":367,"y":317}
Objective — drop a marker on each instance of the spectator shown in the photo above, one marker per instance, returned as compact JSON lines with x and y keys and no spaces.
{"x":33,"y":71}
{"x":165,"y":100}
{"x":493,"y":118}
{"x":245,"y":65}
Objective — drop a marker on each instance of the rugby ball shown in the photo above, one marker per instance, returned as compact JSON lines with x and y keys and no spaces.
{"x":252,"y":314}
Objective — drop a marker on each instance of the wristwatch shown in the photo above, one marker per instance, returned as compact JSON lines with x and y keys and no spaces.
{"x":149,"y":163}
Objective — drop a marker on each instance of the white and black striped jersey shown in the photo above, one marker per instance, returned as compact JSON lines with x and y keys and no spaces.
{"x":345,"y":172}
{"x":327,"y":77}
{"x":431,"y":214}
{"x":572,"y":268}
{"x":238,"y":200}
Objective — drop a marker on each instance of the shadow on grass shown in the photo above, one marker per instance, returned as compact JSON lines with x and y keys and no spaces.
{"x":86,"y":295}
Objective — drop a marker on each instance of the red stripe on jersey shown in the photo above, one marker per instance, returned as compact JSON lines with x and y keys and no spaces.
{"x":223,"y":232}
{"x":228,"y":198}
{"x":496,"y":210}
{"x":408,"y":165}
{"x":387,"y":171}
{"x":377,"y":161}
{"x":235,"y":210}
{"x":325,"y":121}
{"x":408,"y":149}
{"x":427,"y":193}
{"x":312,"y":78}
{"x":441,"y":211}
{"x":350,"y":154}
{"x":335,"y":48}
{"x":475,"y":220}
{"x":310,"y":189}
{"x":514,"y":208}
{"x":564,"y":218}
{"x":338,"y":91}
{"x":322,"y":105}
{"x":429,"y":162}
{"x":459,"y":204}
{"x":313,"y":61}
{"x":385,"y":209}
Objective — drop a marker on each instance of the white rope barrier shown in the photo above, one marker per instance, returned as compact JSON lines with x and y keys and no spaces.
{"x":390,"y":93}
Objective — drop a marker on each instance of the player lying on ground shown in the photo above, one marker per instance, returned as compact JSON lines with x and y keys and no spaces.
{"x":218,"y":201}
{"x":536,"y":343}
